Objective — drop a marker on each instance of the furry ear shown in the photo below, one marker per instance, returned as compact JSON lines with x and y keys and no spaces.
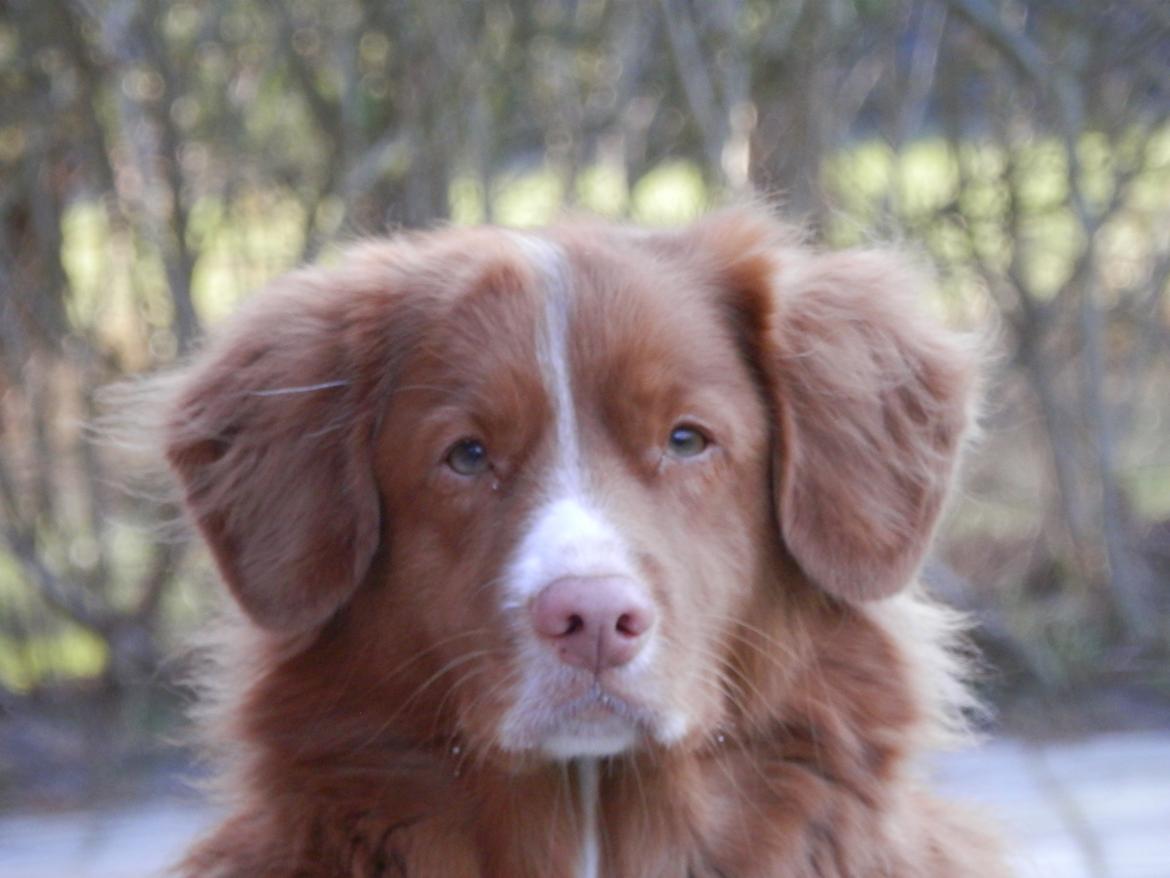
{"x":871,"y":397}
{"x":874,"y":400}
{"x":270,"y":437}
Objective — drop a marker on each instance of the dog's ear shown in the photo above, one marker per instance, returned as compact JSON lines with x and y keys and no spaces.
{"x":871,"y":399}
{"x":270,"y":436}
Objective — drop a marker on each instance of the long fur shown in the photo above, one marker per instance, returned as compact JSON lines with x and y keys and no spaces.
{"x":362,"y":696}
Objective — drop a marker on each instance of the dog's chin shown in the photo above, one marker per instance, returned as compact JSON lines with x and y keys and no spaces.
{"x":594,"y":724}
{"x":593,"y":736}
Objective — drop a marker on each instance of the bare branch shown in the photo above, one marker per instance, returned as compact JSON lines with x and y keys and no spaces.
{"x":1018,"y":49}
{"x":695,"y":76}
{"x":72,"y":600}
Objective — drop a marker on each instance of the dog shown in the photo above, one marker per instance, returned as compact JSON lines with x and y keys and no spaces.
{"x":582,"y":551}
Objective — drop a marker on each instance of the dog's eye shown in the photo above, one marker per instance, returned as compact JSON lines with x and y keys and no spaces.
{"x":468,"y":457}
{"x":686,"y":442}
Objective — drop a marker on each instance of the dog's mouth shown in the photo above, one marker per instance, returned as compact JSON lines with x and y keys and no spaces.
{"x":579,"y":718}
{"x":575,"y":714}
{"x":594,"y":724}
{"x":600,"y":704}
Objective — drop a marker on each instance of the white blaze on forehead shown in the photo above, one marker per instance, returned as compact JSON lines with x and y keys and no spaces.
{"x":552,"y":347}
{"x":568,"y":536}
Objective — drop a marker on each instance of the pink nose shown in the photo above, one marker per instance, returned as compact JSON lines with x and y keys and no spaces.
{"x":593,"y":622}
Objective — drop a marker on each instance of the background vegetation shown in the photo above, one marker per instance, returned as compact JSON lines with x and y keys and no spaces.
{"x":158,"y":160}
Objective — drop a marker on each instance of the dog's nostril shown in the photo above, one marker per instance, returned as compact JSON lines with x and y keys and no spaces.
{"x":594,"y":622}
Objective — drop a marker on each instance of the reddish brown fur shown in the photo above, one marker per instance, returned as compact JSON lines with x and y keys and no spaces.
{"x":358,"y":704}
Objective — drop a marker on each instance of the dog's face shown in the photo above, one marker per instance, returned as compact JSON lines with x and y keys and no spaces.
{"x":571,"y":464}
{"x":529,"y":489}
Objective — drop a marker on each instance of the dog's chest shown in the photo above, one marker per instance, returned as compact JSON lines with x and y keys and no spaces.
{"x":589,"y":862}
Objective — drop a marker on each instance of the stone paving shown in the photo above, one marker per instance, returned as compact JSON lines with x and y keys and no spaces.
{"x":1098,"y":808}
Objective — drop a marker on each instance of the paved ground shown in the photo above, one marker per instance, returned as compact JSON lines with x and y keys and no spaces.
{"x":1098,"y":808}
{"x":1093,"y":809}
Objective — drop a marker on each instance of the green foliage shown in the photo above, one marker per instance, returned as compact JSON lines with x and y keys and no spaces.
{"x":33,"y":653}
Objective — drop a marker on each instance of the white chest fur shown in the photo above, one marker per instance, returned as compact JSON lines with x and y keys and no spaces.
{"x":589,"y":861}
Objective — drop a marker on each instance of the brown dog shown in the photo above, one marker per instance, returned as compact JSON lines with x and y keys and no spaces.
{"x":578,"y":552}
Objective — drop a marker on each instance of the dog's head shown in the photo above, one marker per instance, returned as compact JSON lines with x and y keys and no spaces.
{"x":529,"y":489}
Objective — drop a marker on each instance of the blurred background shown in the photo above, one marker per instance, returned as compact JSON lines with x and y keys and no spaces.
{"x":160,"y":160}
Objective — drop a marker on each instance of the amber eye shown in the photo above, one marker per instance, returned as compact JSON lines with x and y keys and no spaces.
{"x":686,"y":442}
{"x":468,"y":457}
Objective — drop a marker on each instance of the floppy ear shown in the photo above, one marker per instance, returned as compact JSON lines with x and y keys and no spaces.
{"x":874,"y":399}
{"x":871,"y":398}
{"x":270,"y":437}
